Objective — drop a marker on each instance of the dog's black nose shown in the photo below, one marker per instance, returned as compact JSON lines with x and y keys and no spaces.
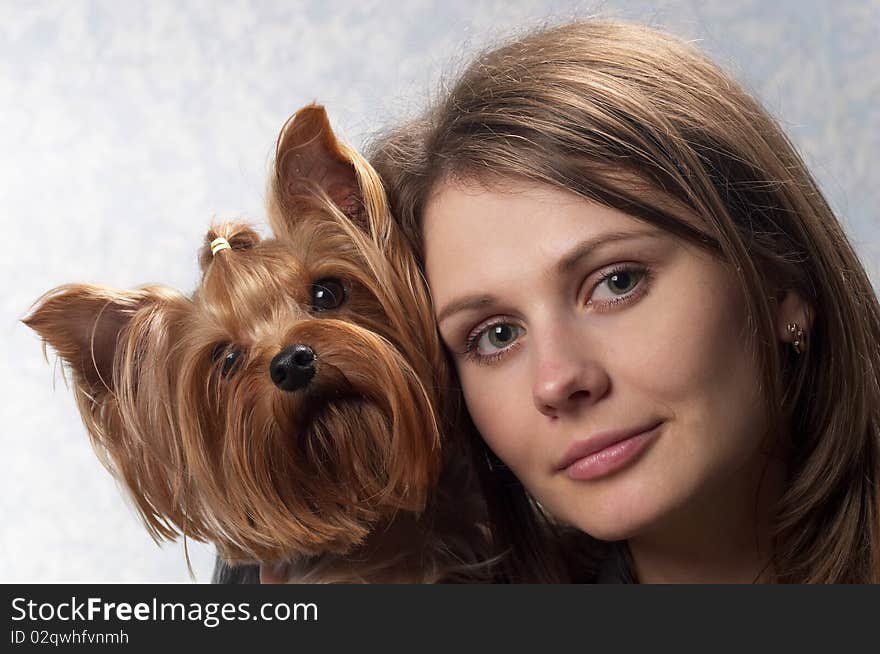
{"x":293,"y":368}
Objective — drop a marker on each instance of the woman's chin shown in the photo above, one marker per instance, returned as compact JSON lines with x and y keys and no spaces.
{"x":617,"y":521}
{"x":610,"y":532}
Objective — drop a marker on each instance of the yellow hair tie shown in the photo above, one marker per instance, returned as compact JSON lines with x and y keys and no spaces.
{"x":218,"y":244}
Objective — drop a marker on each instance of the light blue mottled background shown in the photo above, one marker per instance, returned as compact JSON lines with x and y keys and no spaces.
{"x":126,"y":127}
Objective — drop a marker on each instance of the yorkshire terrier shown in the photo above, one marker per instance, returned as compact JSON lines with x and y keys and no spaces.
{"x":295,"y":409}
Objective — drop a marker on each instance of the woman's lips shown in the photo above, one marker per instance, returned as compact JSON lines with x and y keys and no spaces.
{"x":607,"y":452}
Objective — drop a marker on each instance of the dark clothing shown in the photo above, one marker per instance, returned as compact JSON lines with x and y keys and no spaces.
{"x":617,"y":567}
{"x":239,"y":574}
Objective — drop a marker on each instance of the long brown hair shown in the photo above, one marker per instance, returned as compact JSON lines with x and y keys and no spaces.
{"x":639,"y":121}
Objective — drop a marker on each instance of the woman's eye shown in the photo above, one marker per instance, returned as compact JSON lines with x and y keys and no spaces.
{"x":500,"y":336}
{"x":327,"y":294}
{"x":620,"y":285}
{"x":491,"y":342}
{"x":622,"y":282}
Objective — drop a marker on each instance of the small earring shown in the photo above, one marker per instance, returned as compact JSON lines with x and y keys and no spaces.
{"x":798,"y":335}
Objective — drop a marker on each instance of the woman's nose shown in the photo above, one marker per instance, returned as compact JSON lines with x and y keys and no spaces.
{"x":566,"y":377}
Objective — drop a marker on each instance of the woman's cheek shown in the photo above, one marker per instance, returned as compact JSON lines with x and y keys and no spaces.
{"x":684,"y":338}
{"x":497,"y":407}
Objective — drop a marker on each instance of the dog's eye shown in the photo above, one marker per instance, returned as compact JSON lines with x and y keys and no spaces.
{"x":230,"y":357}
{"x":218,"y":351}
{"x":230,"y":361}
{"x":327,"y":294}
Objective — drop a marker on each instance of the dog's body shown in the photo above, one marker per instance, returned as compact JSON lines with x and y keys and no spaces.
{"x":292,"y":410}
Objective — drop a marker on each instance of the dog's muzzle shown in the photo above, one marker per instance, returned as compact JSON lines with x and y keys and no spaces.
{"x":293,"y":368}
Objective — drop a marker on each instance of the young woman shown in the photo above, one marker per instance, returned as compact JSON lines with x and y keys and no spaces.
{"x":660,"y":330}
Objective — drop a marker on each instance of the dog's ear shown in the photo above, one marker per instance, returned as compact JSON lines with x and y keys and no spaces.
{"x":84,"y":323}
{"x":310,"y":161}
{"x":123,"y":350}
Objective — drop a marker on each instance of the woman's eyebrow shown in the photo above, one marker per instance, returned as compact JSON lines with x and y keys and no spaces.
{"x":586,"y":247}
{"x":468,"y":302}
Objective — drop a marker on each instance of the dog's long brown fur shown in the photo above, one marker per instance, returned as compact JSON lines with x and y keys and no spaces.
{"x":356,"y":476}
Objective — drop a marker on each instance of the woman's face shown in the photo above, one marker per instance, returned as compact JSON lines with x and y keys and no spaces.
{"x":603,"y":360}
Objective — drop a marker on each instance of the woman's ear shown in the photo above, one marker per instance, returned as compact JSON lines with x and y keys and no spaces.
{"x":792,"y":309}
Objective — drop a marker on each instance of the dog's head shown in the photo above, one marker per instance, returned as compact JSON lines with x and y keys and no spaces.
{"x":291,"y":402}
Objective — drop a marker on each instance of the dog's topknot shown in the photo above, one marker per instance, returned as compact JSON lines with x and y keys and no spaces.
{"x":239,"y":236}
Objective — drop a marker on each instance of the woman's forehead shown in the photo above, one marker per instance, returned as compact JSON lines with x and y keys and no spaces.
{"x":467,"y":219}
{"x":463,"y":190}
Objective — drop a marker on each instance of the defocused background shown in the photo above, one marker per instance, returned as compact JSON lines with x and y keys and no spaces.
{"x":126,"y":128}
